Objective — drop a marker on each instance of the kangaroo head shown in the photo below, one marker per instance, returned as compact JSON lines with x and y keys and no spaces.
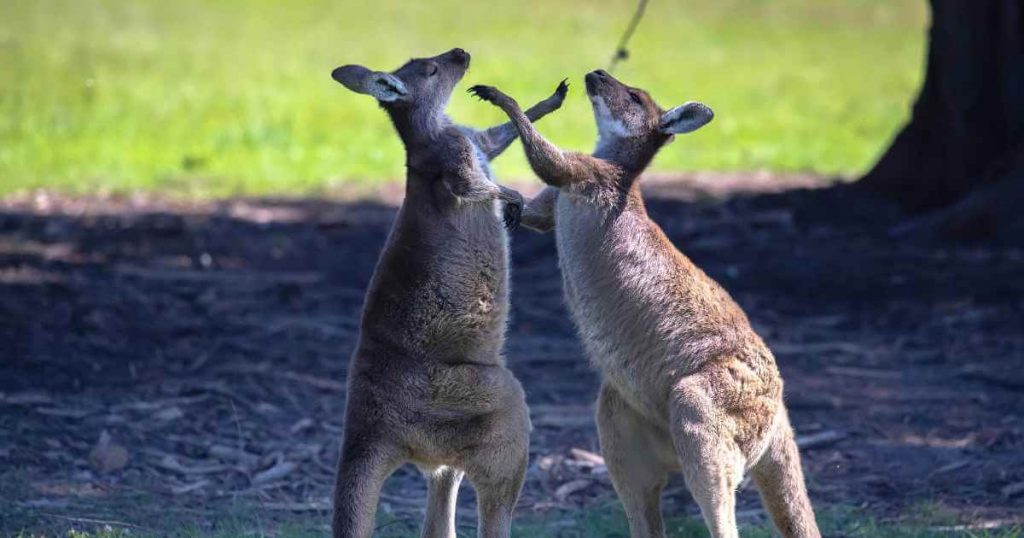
{"x":629,"y":120}
{"x":417,"y":92}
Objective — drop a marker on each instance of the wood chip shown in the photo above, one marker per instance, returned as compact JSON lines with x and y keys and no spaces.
{"x":297,"y":506}
{"x":404,"y":501}
{"x":991,"y":524}
{"x":565,"y":490}
{"x":562,"y":416}
{"x":866,"y":373}
{"x":316,"y":382}
{"x":301,"y":426}
{"x":847,"y":348}
{"x":278,"y":471}
{"x":234,"y":454}
{"x":156,"y":405}
{"x":586,"y":455}
{"x":819,"y":440}
{"x":26,"y":398}
{"x":64,"y":412}
{"x":224,"y":277}
{"x":188,"y":488}
{"x":1012,"y":490}
{"x":950,"y":467}
{"x":168,"y":414}
{"x":171,"y":463}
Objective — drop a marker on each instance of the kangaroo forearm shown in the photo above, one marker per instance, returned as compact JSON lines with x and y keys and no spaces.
{"x":547,"y":161}
{"x":500,"y":137}
{"x":543,"y":108}
{"x":468,"y":187}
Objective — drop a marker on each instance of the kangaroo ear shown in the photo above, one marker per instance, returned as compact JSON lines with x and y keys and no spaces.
{"x":383,"y":86}
{"x":686,"y":118}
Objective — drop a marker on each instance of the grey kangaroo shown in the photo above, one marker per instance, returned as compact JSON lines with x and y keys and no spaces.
{"x":427,"y":383}
{"x":687,"y":384}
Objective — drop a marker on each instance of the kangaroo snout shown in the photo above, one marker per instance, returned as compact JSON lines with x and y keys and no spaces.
{"x":459,"y":56}
{"x":595,"y":79}
{"x":340,"y":73}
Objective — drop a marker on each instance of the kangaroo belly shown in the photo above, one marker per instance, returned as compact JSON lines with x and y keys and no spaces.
{"x":622,"y":344}
{"x":441,"y":287}
{"x":649,"y":318}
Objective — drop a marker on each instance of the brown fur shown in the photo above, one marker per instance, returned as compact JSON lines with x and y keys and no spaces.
{"x":427,"y":383}
{"x":687,"y":385}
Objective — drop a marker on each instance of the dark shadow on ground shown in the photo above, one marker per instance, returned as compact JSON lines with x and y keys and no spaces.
{"x":211,"y":342}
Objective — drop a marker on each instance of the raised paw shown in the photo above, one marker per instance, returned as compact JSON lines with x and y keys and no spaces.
{"x":562,"y":90}
{"x":513,"y":212}
{"x":554,"y":102}
{"x":489,"y":93}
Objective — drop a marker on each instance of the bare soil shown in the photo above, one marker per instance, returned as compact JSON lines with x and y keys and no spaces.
{"x":210,"y":341}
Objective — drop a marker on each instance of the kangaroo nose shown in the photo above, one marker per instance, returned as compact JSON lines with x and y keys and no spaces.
{"x":459,"y":54}
{"x":601,"y":73}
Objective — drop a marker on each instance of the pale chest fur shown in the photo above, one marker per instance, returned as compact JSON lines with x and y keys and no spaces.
{"x":646,"y":315}
{"x":612,"y":284}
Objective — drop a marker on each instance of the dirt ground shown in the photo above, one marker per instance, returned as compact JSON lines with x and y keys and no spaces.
{"x":210,"y":341}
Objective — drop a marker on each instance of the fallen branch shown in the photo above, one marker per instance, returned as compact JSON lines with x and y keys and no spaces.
{"x":867,"y":373}
{"x":297,"y":507}
{"x":820,"y":439}
{"x":110,"y":522}
{"x":279,"y":470}
{"x":314,"y":381}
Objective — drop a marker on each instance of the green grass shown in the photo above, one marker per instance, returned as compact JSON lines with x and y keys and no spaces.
{"x":601,"y":522}
{"x":221,"y":97}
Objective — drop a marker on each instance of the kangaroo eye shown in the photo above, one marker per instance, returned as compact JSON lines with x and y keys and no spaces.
{"x":635,"y":98}
{"x":431,"y":69}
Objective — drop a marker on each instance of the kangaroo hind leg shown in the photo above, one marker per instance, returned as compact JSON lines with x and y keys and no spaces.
{"x":780,"y":480}
{"x":362,"y":470}
{"x":630,"y":444}
{"x":712,"y":463}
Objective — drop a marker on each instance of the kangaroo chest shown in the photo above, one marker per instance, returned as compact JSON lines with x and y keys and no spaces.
{"x":611,"y":287}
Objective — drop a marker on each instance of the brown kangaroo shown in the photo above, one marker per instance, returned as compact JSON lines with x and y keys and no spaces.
{"x":427,"y":383}
{"x":687,"y":384}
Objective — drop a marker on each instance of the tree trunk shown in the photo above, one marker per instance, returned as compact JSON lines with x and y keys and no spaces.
{"x":967,"y":127}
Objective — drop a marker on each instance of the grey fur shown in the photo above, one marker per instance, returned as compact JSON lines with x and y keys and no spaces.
{"x":427,"y":383}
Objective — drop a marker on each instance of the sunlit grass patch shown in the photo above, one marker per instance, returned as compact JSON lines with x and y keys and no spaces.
{"x":204,"y":97}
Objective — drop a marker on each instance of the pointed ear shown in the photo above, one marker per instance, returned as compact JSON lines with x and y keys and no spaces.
{"x":384,"y":86}
{"x":686,"y":118}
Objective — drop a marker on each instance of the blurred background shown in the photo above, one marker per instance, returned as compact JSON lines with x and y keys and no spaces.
{"x":215,"y":98}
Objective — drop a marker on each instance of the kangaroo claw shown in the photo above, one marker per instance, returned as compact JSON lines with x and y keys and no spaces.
{"x":563,"y":88}
{"x":486,"y":93}
{"x":513,"y":214}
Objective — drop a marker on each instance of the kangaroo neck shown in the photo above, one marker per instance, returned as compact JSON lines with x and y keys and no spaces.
{"x":632,"y":154}
{"x":418,"y":130}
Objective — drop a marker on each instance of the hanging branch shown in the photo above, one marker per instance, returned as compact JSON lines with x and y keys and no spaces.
{"x":621,"y":53}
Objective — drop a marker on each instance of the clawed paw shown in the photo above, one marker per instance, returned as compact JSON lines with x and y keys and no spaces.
{"x":563,"y":88}
{"x":513,"y":211}
{"x":486,"y":93}
{"x":513,"y":214}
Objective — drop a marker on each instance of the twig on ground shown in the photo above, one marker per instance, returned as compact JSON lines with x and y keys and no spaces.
{"x":110,"y":522}
{"x":820,"y":439}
